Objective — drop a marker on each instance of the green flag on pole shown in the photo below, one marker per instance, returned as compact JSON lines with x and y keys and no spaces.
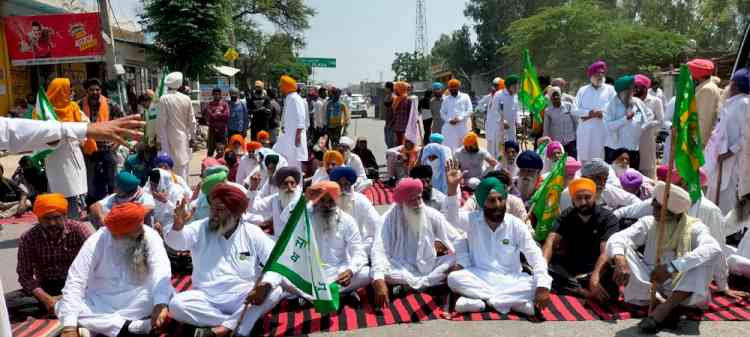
{"x":688,"y":151}
{"x":153,"y":110}
{"x":44,"y":110}
{"x":296,"y":257}
{"x":530,"y":94}
{"x":546,"y":200}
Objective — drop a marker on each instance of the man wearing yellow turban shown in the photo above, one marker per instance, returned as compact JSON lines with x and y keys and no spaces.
{"x":331,"y":160}
{"x":292,"y":143}
{"x":473,"y":161}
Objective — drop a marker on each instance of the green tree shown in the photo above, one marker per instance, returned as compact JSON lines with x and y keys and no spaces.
{"x":190,"y":35}
{"x":270,"y":57}
{"x":456,"y":53}
{"x":410,"y":67}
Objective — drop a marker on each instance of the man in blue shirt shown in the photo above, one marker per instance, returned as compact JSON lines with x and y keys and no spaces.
{"x":238,"y":116}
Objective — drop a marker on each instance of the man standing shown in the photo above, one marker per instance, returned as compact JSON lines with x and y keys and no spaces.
{"x":563,"y":85}
{"x":217,"y":116}
{"x":401,"y":111}
{"x":707,"y":95}
{"x":507,"y":105}
{"x":654,"y":112}
{"x":100,"y":161}
{"x":488,"y":261}
{"x":175,"y":124}
{"x":259,"y":107}
{"x":318,"y":105}
{"x":337,"y":116}
{"x":684,"y":270}
{"x":388,"y":98}
{"x":455,"y":111}
{"x":436,"y":103}
{"x":625,"y":119}
{"x":275,"y":119}
{"x":493,"y":122}
{"x":292,"y":144}
{"x":559,"y":122}
{"x":238,"y":115}
{"x":120,"y":281}
{"x":591,"y":102}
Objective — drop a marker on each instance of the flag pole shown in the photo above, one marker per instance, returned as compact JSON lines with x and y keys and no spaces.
{"x":246,"y":306}
{"x":663,"y":214}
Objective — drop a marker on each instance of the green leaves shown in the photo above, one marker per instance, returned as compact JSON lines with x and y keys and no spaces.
{"x":410,"y":67}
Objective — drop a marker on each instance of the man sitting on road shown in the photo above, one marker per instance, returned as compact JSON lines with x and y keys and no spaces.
{"x":430,"y":195}
{"x":400,"y":160}
{"x":488,"y":261}
{"x":249,"y":162}
{"x":331,"y":159}
{"x":575,"y":248}
{"x":352,"y":160}
{"x":357,"y":205}
{"x":473,"y":161}
{"x":608,"y":194}
{"x":126,"y":190}
{"x":414,"y":247}
{"x":228,"y":255}
{"x":266,"y":211}
{"x":508,"y":161}
{"x":530,"y":166}
{"x":684,"y":272}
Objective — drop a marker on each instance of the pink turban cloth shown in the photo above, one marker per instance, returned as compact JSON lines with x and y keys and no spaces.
{"x":642,"y":80}
{"x":406,"y":189}
{"x":596,"y":67}
{"x":551,"y":147}
{"x":661,"y":174}
{"x":572,"y":166}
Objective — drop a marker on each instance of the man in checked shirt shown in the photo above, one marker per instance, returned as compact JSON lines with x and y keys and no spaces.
{"x":46,"y":251}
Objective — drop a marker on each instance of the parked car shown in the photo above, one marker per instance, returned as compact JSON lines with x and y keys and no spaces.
{"x":358,"y":106}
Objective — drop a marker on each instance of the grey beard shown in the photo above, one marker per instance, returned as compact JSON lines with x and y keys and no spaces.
{"x":414,"y":218}
{"x":222,"y":226}
{"x":137,"y":253}
{"x":327,"y":221}
{"x":346,"y":202}
{"x":285,"y":198}
{"x":526,"y":187}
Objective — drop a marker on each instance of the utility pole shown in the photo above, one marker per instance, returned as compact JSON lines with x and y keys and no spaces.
{"x":420,"y":40}
{"x":110,"y":57}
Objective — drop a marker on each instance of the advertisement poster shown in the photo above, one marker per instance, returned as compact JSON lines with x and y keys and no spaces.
{"x":52,"y":39}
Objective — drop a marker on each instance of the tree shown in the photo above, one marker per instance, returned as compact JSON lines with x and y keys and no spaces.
{"x":190,"y":35}
{"x":410,"y":67}
{"x":456,"y":53}
{"x":564,"y":39}
{"x":270,"y":57}
{"x":291,"y":16}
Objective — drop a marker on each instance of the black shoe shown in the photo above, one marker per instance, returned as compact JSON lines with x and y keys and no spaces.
{"x":204,"y":332}
{"x":649,"y":326}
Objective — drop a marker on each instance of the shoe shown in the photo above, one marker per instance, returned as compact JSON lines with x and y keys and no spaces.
{"x":526,"y":308}
{"x":466,"y":305}
{"x":649,"y":326}
{"x":204,"y":332}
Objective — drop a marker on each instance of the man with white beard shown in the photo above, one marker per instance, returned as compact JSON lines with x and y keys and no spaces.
{"x":357,"y":205}
{"x":592,"y":101}
{"x":414,"y":246}
{"x":261,"y":209}
{"x":120,"y":278}
{"x":530,"y":166}
{"x":488,"y":261}
{"x":352,"y":160}
{"x":228,"y":255}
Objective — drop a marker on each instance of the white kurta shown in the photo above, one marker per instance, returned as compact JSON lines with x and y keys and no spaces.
{"x":738,"y":258}
{"x":493,"y":125}
{"x":164,"y":211}
{"x":647,"y":147}
{"x":455,"y":107}
{"x":612,"y":196}
{"x":728,"y":137}
{"x":366,"y":217}
{"x":246,"y":167}
{"x":402,"y":257}
{"x":709,"y":214}
{"x":101,"y":292}
{"x":622,"y":132}
{"x":492,"y":261}
{"x":175,"y":126}
{"x":270,"y":207}
{"x":224,"y":272}
{"x":20,"y":135}
{"x":66,"y":169}
{"x":591,"y":133}
{"x":294,"y":117}
{"x":508,"y":108}
{"x":695,"y":265}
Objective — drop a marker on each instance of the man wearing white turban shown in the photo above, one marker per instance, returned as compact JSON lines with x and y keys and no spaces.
{"x":175,"y":124}
{"x":684,"y":271}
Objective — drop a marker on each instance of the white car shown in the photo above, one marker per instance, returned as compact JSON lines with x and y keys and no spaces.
{"x":358,"y":106}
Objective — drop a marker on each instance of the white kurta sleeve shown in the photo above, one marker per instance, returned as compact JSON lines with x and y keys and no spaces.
{"x":635,"y":211}
{"x":263,"y":206}
{"x":581,"y":109}
{"x":456,"y":216}
{"x":444,"y":112}
{"x":263,"y":246}
{"x":160,"y":269}
{"x":706,"y":248}
{"x":610,"y":119}
{"x":533,"y":255}
{"x":633,"y":236}
{"x":465,"y":108}
{"x":373,"y":221}
{"x":69,"y":306}
{"x":463,"y":256}
{"x":186,"y":238}
{"x":20,"y":135}
{"x":378,"y":257}
{"x":355,"y":247}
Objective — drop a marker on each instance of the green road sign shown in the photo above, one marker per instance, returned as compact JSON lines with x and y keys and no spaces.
{"x":318,"y":62}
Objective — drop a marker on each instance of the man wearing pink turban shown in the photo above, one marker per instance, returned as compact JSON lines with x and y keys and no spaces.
{"x":655,"y":113}
{"x":591,"y":101}
{"x":419,"y":243}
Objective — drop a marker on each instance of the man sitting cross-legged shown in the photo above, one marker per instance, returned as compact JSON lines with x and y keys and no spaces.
{"x":228,"y":254}
{"x":488,"y":261}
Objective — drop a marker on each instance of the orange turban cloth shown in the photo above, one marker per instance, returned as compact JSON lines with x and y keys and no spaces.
{"x":49,"y":203}
{"x":333,"y":155}
{"x":501,"y":84}
{"x":237,"y":140}
{"x":581,"y":184}
{"x":253,"y":146}
{"x":58,"y":93}
{"x":263,"y":135}
{"x":321,"y":188}
{"x":125,"y":218}
{"x":471,"y":139}
{"x":454,"y":84}
{"x":287,"y":85}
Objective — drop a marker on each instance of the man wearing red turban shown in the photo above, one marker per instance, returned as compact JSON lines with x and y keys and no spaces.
{"x":418,"y":241}
{"x":125,"y":266}
{"x":707,"y":95}
{"x":228,"y":253}
{"x":46,"y":251}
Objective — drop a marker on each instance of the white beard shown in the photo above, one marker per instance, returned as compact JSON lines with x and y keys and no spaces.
{"x":526,"y":187}
{"x":135,"y":252}
{"x":619,"y":170}
{"x":346,"y":202}
{"x":285,"y":198}
{"x":415,"y":219}
{"x":327,"y":222}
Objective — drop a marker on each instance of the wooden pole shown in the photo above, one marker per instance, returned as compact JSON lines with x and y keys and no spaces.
{"x":246,"y":306}
{"x":664,"y":202}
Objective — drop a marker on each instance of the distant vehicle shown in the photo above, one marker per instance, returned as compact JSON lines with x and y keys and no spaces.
{"x":358,"y":106}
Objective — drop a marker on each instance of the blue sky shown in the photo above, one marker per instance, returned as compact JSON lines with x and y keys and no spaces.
{"x":361,"y":35}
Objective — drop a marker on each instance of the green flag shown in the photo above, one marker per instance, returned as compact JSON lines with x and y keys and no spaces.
{"x":296,"y":257}
{"x":546,"y":200}
{"x":153,"y":110}
{"x":688,"y":146}
{"x":44,"y":110}
{"x":530,"y":94}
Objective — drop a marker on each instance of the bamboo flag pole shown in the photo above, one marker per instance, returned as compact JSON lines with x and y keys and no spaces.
{"x":664,"y":202}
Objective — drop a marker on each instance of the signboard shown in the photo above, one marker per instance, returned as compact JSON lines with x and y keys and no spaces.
{"x":52,"y":39}
{"x":317,"y":62}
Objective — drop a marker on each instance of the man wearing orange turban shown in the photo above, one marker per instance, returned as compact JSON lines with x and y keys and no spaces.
{"x":581,"y":269}
{"x":227,"y":251}
{"x":331,"y":160}
{"x":292,"y":143}
{"x":249,"y":162}
{"x":125,"y":266}
{"x":237,"y":144}
{"x":46,"y":251}
{"x":471,"y":160}
{"x":455,"y":111}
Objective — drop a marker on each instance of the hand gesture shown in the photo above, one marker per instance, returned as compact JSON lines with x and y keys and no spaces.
{"x":255,"y":181}
{"x":454,"y":176}
{"x":159,"y":196}
{"x":630,"y":115}
{"x":455,"y":267}
{"x":737,"y":295}
{"x":597,"y":292}
{"x":119,"y":130}
{"x":158,"y":316}
{"x":381,"y":293}
{"x":181,"y":215}
{"x":345,"y":278}
{"x":69,"y":332}
{"x":259,"y":293}
{"x":440,"y":248}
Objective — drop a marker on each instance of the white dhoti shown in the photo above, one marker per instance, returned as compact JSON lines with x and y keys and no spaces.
{"x":196,"y":308}
{"x":402,"y":275}
{"x":360,"y":279}
{"x":591,"y":135}
{"x":454,"y":134}
{"x":738,"y":264}
{"x":504,"y":291}
{"x":729,"y":182}
{"x":102,"y":315}
{"x":694,"y":281}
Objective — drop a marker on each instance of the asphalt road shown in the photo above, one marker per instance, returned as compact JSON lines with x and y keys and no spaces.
{"x":373,"y":130}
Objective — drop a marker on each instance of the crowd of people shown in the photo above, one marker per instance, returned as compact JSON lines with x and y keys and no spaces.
{"x":461,"y":215}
